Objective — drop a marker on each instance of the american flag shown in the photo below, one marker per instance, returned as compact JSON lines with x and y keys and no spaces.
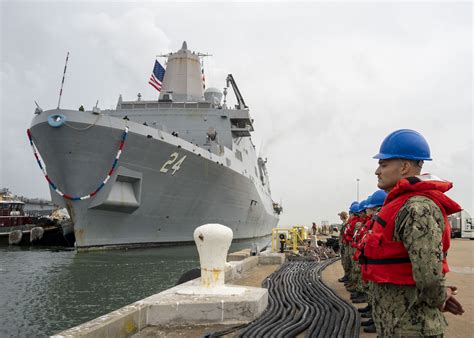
{"x":156,"y":78}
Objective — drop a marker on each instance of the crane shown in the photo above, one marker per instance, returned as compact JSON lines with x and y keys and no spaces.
{"x":240,"y":100}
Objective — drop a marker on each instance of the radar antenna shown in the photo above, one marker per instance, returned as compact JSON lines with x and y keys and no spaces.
{"x":184,"y":47}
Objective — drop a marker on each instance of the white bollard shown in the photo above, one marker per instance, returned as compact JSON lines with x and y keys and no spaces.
{"x":213,"y":242}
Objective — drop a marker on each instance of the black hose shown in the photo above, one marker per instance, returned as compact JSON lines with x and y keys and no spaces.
{"x":304,"y":303}
{"x":298,"y":301}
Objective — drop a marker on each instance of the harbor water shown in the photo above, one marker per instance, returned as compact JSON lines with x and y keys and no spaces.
{"x":45,"y":291}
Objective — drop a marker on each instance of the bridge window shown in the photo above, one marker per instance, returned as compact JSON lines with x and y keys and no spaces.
{"x":238,"y":154}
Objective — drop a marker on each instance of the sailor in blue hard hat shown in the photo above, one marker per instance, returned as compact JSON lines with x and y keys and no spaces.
{"x":357,"y":292}
{"x":405,"y":255}
{"x":374,"y":204}
{"x":344,"y":245}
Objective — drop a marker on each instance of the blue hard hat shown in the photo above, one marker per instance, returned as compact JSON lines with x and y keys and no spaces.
{"x":354,"y":207}
{"x":404,"y":143}
{"x":362,"y":205}
{"x":377,"y":199}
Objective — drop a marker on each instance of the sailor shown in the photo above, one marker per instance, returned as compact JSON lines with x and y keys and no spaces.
{"x":345,"y":236}
{"x":357,"y":291}
{"x":373,"y":206}
{"x":405,"y":254}
{"x":344,"y":217}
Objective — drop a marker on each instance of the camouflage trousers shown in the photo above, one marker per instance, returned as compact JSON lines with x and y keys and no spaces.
{"x":352,"y":264}
{"x":346,"y":259}
{"x":397,"y":313}
{"x":357,"y":277}
{"x":367,"y":286}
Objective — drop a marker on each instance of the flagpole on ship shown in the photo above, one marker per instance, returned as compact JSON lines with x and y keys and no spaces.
{"x":62,"y":83}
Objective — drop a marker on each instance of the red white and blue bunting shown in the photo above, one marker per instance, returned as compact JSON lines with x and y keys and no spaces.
{"x":104,"y":182}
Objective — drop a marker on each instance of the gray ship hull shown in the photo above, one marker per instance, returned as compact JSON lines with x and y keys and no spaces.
{"x":142,"y":204}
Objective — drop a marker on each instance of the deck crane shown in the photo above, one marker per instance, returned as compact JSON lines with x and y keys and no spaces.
{"x":240,"y":100}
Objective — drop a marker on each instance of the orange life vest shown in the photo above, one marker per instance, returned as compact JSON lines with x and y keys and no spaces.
{"x":359,"y":237}
{"x":349,"y":232}
{"x":385,"y":260}
{"x":359,"y":232}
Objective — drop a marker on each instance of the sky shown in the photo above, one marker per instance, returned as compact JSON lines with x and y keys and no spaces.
{"x":325,"y":83}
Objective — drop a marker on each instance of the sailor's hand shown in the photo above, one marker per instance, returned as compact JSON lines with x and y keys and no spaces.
{"x":452,"y":289}
{"x":451,"y":304}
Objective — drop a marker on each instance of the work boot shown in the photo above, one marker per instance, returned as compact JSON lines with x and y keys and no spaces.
{"x":366,"y":314}
{"x":348,"y":282}
{"x":361,"y":299}
{"x":370,"y":329}
{"x":365,"y":309}
{"x":355,"y":294}
{"x":343,"y":279}
{"x":367,"y":322}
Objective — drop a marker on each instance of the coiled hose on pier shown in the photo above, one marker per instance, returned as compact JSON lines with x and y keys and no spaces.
{"x":298,"y":301}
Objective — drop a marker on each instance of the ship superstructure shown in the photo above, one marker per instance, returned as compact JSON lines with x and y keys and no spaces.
{"x":150,"y":172}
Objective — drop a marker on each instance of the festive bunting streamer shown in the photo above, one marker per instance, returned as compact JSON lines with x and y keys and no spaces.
{"x":104,"y":182}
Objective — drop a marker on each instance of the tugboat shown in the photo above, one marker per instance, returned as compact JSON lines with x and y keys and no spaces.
{"x":18,"y":228}
{"x":150,"y":171}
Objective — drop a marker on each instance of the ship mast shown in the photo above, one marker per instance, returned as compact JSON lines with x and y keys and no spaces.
{"x":183,"y":77}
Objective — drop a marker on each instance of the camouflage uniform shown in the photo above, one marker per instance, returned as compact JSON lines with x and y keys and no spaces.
{"x":359,"y":283}
{"x":344,"y":252}
{"x":341,"y":243}
{"x":368,"y":285}
{"x":350,"y":262}
{"x":355,"y":267}
{"x":412,"y":310}
{"x":348,"y":259}
{"x":369,"y":290}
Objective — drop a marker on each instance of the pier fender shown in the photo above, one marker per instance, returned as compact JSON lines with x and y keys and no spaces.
{"x":36,"y":234}
{"x":56,"y":120}
{"x":15,"y":237}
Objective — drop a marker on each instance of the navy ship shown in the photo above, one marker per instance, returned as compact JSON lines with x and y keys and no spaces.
{"x":149,"y":172}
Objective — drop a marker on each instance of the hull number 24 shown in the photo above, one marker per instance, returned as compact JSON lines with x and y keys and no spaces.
{"x":176,"y":166}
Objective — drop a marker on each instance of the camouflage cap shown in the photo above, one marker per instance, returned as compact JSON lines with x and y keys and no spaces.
{"x":343,"y":214}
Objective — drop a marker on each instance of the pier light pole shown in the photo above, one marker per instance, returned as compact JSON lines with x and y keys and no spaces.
{"x":357,"y":180}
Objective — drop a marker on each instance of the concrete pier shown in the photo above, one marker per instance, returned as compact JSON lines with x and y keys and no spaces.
{"x":169,"y":314}
{"x":170,"y":308}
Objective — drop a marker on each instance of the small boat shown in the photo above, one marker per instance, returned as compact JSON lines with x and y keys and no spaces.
{"x":18,"y":228}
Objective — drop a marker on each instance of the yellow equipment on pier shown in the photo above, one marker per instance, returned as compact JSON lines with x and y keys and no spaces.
{"x":289,"y":237}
